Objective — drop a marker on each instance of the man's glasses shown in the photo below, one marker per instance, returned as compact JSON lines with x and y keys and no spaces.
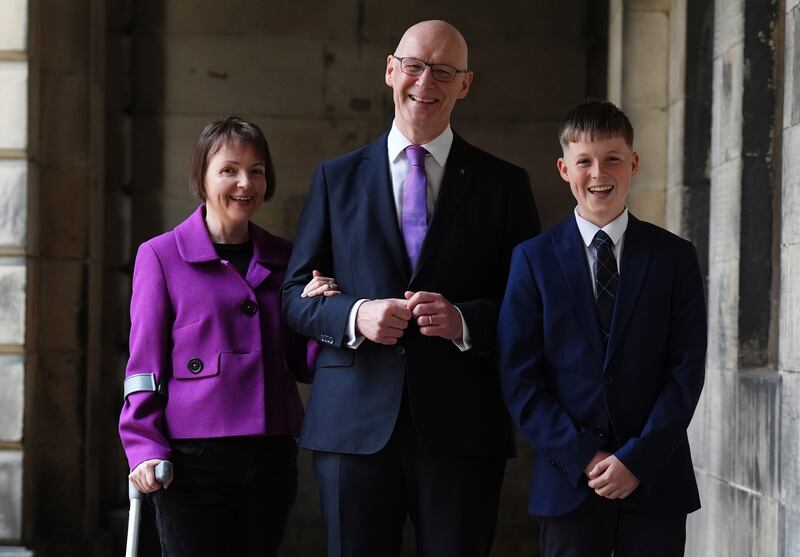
{"x":415,"y":67}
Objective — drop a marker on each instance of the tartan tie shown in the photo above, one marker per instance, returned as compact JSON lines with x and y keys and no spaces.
{"x":415,"y":203}
{"x":606,"y":278}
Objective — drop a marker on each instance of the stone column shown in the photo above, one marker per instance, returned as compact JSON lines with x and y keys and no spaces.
{"x":65,"y":401}
{"x":676,"y":116}
{"x":789,"y":355}
{"x":736,"y":431}
{"x":638,"y":70}
{"x":689,"y":127}
{"x":13,"y":268}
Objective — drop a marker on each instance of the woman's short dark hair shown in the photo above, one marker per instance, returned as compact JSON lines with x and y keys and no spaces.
{"x":222,"y":132}
{"x":597,"y":120}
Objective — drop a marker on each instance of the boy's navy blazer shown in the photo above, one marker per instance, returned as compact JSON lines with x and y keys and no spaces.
{"x":566,"y":392}
{"x":349,"y":230}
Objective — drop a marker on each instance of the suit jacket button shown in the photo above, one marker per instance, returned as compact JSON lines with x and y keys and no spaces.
{"x":608,"y":380}
{"x":400,"y":350}
{"x":195,"y":365}
{"x":248,"y":307}
{"x":599,"y":432}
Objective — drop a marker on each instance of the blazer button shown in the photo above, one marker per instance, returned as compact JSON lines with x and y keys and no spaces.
{"x":248,"y":307}
{"x":608,"y":380}
{"x":195,"y":365}
{"x":400,"y":350}
{"x":599,"y":432}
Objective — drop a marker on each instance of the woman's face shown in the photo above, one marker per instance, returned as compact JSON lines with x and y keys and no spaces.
{"x":235,"y":183}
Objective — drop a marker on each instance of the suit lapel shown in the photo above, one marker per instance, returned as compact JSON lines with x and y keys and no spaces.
{"x":454,"y":186}
{"x":375,"y":179}
{"x":636,"y":253}
{"x":571,"y":256}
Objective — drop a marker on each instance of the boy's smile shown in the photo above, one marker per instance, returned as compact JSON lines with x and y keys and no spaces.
{"x":599,"y":173}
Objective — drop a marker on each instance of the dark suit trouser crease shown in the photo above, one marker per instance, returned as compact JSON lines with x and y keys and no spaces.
{"x":599,"y":526}
{"x":452,"y":501}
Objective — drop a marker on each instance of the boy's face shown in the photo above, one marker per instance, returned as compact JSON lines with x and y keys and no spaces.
{"x":599,"y":173}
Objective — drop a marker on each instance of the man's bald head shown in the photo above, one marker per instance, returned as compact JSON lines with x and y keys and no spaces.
{"x":435,"y":29}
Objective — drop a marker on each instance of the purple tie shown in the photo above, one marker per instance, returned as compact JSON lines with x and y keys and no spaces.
{"x":415,"y":203}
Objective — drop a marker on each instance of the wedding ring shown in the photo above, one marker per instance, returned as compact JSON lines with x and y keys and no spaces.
{"x":430,"y":320}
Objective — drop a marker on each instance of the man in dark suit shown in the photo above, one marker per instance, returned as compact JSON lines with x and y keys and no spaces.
{"x":405,"y":416}
{"x":602,"y":338}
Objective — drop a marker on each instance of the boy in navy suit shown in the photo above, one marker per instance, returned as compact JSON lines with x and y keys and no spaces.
{"x":602,"y":339}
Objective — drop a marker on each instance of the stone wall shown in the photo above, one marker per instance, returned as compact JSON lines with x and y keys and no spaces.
{"x":315,"y":85}
{"x":737,"y":433}
{"x":789,"y":298}
{"x":725,"y":114}
{"x":689,"y":122}
{"x":66,"y":433}
{"x":14,"y":173}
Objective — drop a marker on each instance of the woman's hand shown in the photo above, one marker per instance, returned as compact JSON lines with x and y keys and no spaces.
{"x":320,"y":286}
{"x":144,"y":476}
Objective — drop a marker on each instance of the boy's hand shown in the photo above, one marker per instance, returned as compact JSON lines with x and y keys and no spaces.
{"x":599,"y":456}
{"x":611,"y":479}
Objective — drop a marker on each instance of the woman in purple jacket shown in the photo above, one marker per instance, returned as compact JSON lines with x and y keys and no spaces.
{"x":210,"y":383}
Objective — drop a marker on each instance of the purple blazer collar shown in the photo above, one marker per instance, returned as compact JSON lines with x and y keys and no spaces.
{"x":195,"y":246}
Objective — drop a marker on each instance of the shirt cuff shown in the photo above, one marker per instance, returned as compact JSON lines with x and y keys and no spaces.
{"x":354,"y":340}
{"x":463,"y":343}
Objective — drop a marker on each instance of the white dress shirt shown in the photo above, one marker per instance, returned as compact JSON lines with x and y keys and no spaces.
{"x":615,"y":230}
{"x":438,"y":150}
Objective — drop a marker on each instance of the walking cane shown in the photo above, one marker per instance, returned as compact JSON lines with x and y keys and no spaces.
{"x":163,"y":472}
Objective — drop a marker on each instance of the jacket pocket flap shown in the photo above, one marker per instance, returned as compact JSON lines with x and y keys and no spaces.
{"x":195,"y":366}
{"x":336,"y":357}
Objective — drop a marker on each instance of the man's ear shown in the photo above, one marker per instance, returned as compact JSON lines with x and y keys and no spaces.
{"x":465,"y":85}
{"x":389,"y":71}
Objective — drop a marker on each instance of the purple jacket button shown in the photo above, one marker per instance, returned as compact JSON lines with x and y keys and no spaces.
{"x":248,"y":307}
{"x":195,"y":365}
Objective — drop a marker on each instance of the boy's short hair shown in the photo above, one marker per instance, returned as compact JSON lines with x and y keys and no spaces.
{"x":597,"y":120}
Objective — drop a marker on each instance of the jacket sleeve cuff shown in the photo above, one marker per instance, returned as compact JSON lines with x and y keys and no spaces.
{"x":140,"y":429}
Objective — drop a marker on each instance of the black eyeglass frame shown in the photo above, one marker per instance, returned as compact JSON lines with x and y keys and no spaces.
{"x":433,"y":68}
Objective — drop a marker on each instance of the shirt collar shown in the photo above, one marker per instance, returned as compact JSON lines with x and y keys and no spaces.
{"x":615,"y":229}
{"x":439,"y":147}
